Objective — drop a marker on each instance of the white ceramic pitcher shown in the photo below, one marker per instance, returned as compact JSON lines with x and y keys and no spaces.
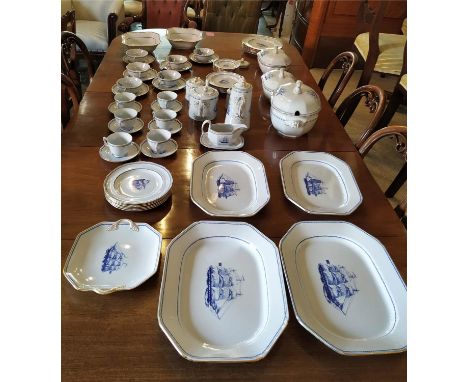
{"x":240,"y":100}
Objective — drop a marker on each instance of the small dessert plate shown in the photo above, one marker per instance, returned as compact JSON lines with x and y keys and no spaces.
{"x":212,"y":59}
{"x":166,"y":149}
{"x":145,"y":76}
{"x":223,"y":80}
{"x":180,"y":84}
{"x":208,"y":144}
{"x":106,"y":154}
{"x":173,"y":105}
{"x":174,"y":127}
{"x":137,"y":125}
{"x":149,"y":59}
{"x":132,"y":105}
{"x":180,"y":68}
{"x":140,"y":91}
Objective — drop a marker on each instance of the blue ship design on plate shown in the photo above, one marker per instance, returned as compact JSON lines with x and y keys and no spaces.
{"x":226,"y":187}
{"x":339,"y":285}
{"x":313,"y":185}
{"x":113,"y":260}
{"x":140,"y":184}
{"x":223,"y":286}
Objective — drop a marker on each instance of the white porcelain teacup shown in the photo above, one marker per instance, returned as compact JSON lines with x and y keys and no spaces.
{"x":223,"y":134}
{"x":164,"y":118}
{"x":125,"y":117}
{"x":156,"y":138}
{"x":136,"y":69}
{"x":124,"y":99}
{"x":168,"y":77}
{"x":176,"y":61}
{"x":203,"y":54}
{"x":165,"y":98}
{"x":128,"y":84}
{"x":136,"y":54}
{"x":118,"y":143}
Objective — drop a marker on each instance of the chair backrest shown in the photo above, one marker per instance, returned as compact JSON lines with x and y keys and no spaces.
{"x":69,"y":99}
{"x":375,"y":100}
{"x":69,"y":41}
{"x":347,"y":61}
{"x":193,"y":20}
{"x":68,"y":22}
{"x":164,"y":13}
{"x":232,"y":16}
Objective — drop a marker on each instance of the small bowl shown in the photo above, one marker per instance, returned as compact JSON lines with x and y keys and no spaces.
{"x":129,"y":84}
{"x":176,"y":59}
{"x":169,"y":77}
{"x":136,"y":54}
{"x":137,"y":68}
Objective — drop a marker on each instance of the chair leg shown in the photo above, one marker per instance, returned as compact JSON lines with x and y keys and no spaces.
{"x":397,"y":183}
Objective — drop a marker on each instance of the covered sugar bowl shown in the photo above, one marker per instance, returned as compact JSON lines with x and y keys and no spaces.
{"x":273,"y":79}
{"x":272,"y":58}
{"x":294,"y":109}
{"x":203,"y":100}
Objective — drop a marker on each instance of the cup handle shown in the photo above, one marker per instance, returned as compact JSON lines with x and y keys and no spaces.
{"x":104,"y":139}
{"x":203,"y":125}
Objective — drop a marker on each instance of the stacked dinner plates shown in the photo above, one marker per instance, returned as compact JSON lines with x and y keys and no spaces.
{"x":138,"y":186}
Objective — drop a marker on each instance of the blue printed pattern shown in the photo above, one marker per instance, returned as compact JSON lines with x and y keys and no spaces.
{"x":223,"y":140}
{"x":140,"y":184}
{"x":113,"y":260}
{"x":313,"y":185}
{"x":223,"y":285}
{"x":226,"y":187}
{"x":338,"y":285}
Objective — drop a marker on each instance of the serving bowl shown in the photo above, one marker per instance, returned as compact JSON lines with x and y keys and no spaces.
{"x":184,"y":38}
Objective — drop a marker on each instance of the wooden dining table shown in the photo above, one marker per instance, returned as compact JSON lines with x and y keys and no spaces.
{"x":116,"y":337}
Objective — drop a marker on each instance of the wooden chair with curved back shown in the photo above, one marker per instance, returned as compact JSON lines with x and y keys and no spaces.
{"x":69,"y":99}
{"x":69,"y":42}
{"x":400,"y":132}
{"x":347,"y":61}
{"x":374,"y":99}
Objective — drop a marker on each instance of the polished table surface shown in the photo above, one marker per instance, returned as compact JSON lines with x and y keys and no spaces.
{"x":116,"y":337}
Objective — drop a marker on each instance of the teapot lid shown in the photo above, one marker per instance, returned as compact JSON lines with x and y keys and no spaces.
{"x":276,"y":77}
{"x":204,"y":91}
{"x":274,"y":57}
{"x":296,"y":98}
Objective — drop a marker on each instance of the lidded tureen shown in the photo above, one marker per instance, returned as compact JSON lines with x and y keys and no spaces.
{"x":203,"y":100}
{"x":294,"y":109}
{"x":272,"y":58}
{"x":273,"y":79}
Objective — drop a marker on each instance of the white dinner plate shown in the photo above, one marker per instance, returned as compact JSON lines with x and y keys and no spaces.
{"x":345,"y":288}
{"x":113,"y":256}
{"x":222,"y":293}
{"x":319,"y":183}
{"x":229,"y":183}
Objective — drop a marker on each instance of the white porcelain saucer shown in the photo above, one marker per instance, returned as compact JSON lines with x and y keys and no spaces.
{"x":180,"y":84}
{"x":168,"y":148}
{"x":145,"y":76}
{"x":141,"y":90}
{"x":173,"y":105}
{"x":137,"y":125}
{"x":106,"y":154}
{"x":208,"y":144}
{"x":132,"y":105}
{"x":174,"y":128}
{"x":187,"y":66}
{"x":147,"y":59}
{"x":213,"y":58}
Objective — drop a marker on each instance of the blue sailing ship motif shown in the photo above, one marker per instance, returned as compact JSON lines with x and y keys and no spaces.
{"x":338,"y":285}
{"x":313,"y":185}
{"x":113,"y":260}
{"x":223,"y":285}
{"x":140,"y":184}
{"x":226,"y":187}
{"x":223,"y":141}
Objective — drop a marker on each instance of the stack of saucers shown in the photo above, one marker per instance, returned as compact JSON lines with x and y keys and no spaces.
{"x":140,"y":70}
{"x":138,"y":186}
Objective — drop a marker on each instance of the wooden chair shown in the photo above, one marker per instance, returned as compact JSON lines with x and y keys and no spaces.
{"x":69,"y":100}
{"x":374,"y":99}
{"x":382,"y":52}
{"x":193,"y":14}
{"x":347,"y":61}
{"x":233,"y":16}
{"x":400,"y":132}
{"x":69,"y":42}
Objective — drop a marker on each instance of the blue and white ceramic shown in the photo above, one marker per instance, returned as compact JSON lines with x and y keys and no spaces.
{"x":108,"y":257}
{"x":229,"y":183}
{"x":345,"y":288}
{"x":222,"y":293}
{"x":222,"y":81}
{"x":206,"y":142}
{"x":106,"y":154}
{"x":164,"y":149}
{"x":319,"y":183}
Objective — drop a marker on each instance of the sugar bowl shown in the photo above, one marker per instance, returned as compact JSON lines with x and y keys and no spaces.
{"x":203,"y":100}
{"x":272,"y":58}
{"x":273,"y":79}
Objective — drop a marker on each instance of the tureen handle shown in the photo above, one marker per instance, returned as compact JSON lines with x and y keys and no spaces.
{"x":115,"y":225}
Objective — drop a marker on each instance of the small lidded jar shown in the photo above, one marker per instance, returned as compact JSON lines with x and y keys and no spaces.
{"x":203,"y":102}
{"x":273,"y":79}
{"x":190,"y":84}
{"x":272,"y":58}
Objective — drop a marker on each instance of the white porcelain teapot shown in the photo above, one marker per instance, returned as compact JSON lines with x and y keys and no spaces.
{"x":240,"y":100}
{"x":203,"y":100}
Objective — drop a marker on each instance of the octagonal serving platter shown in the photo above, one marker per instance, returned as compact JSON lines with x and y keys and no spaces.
{"x":345,"y":288}
{"x":319,"y":183}
{"x":229,"y":184}
{"x":112,"y":256}
{"x":222,"y":293}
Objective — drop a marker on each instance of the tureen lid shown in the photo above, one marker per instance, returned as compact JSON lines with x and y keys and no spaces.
{"x":274,"y":57}
{"x":204,"y":91}
{"x":296,"y":98}
{"x":274,"y":78}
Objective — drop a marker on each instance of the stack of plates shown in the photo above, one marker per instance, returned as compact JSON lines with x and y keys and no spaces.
{"x":138,"y":186}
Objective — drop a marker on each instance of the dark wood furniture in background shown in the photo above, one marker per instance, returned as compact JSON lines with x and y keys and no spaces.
{"x":116,"y":337}
{"x":322,"y":29}
{"x":163,"y":13}
{"x":69,"y":99}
